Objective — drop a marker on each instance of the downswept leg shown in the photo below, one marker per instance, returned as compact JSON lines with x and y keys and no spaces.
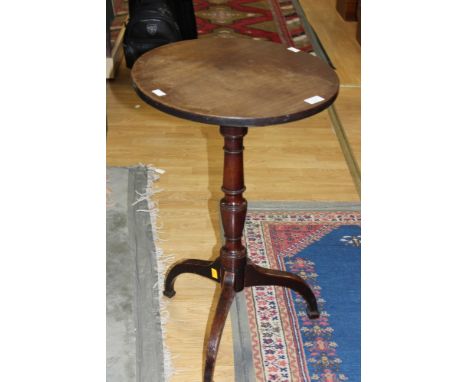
{"x":222,"y":310}
{"x":209,"y":269}
{"x":255,"y":275}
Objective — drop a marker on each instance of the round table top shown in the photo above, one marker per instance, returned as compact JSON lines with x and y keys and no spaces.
{"x":234,"y":81}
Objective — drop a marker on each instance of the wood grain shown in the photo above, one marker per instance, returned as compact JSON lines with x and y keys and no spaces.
{"x":234,"y":81}
{"x":347,"y":9}
{"x":337,"y":37}
{"x":348,"y":107}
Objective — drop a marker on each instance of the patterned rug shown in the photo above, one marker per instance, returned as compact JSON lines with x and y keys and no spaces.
{"x":274,"y":339}
{"x":281,"y":21}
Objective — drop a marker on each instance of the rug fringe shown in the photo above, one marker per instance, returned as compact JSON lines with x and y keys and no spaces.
{"x":162,"y":261}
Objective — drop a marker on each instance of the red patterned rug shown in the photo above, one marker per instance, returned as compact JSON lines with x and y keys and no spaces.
{"x":274,"y":340}
{"x":281,"y":21}
{"x":274,"y":20}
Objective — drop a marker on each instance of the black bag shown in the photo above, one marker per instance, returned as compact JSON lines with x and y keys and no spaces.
{"x":152,"y":23}
{"x":185,"y":17}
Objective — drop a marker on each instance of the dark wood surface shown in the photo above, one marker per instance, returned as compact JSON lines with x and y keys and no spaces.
{"x":358,"y":17}
{"x":234,"y":81}
{"x":347,"y":9}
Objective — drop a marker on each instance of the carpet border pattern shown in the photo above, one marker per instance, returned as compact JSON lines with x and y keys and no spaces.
{"x":287,"y":366}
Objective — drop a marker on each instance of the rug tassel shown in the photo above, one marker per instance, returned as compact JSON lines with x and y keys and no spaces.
{"x":162,"y":261}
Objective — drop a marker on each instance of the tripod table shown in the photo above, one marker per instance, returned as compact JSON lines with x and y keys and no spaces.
{"x":235,"y":83}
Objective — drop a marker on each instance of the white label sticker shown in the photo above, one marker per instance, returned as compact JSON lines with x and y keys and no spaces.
{"x":292,"y":49}
{"x":159,"y":92}
{"x":314,"y":99}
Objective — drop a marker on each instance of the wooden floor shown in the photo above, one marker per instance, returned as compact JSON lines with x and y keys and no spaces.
{"x":297,"y":161}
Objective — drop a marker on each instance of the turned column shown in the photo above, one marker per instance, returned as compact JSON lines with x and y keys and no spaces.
{"x":233,"y":206}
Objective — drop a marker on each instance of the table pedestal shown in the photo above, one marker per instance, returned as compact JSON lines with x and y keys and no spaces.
{"x":232,"y":269}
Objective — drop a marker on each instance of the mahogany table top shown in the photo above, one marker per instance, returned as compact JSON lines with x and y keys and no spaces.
{"x":234,"y":81}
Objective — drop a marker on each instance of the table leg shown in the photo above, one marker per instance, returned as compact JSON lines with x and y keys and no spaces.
{"x":233,"y":254}
{"x":222,"y":310}
{"x":233,"y":206}
{"x":209,"y":269}
{"x":232,"y":269}
{"x":255,"y":276}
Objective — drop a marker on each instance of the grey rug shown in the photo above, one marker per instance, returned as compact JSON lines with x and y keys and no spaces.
{"x":135,"y":319}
